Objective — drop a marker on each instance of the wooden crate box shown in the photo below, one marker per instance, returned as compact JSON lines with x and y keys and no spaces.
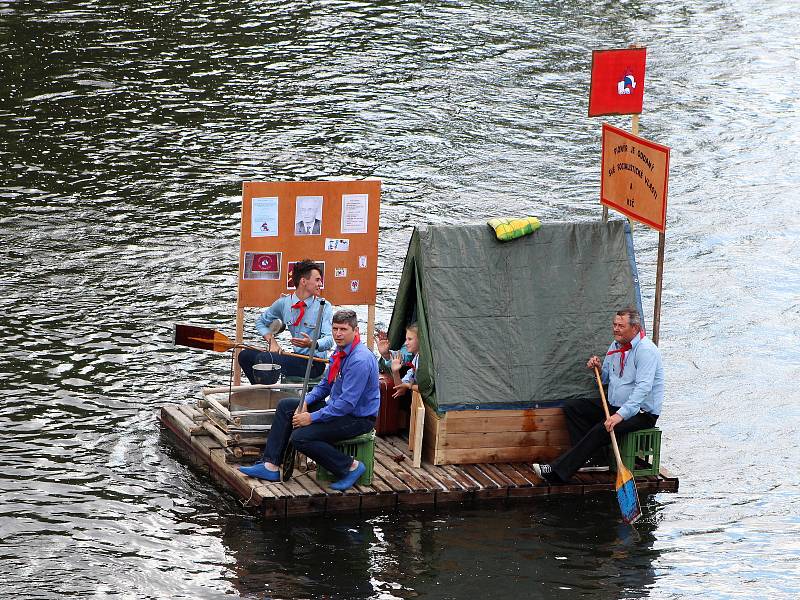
{"x":493,"y":436}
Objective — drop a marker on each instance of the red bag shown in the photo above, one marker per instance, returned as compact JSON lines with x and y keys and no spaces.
{"x":390,"y":418}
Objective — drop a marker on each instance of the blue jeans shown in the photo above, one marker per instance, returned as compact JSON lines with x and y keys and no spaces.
{"x":315,"y":440}
{"x":291,"y":366}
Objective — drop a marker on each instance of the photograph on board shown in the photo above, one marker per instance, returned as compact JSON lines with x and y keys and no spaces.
{"x":262,"y":265}
{"x":290,"y":270}
{"x":308,"y":215}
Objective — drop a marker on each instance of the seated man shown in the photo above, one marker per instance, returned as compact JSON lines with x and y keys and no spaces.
{"x":352,"y":383}
{"x":635,"y":381}
{"x":299,"y":313}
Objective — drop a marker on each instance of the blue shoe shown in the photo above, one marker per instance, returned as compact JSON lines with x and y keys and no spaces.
{"x":261,"y":472}
{"x":349,"y":479}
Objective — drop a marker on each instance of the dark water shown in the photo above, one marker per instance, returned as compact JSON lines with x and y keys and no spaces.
{"x":126,"y":129}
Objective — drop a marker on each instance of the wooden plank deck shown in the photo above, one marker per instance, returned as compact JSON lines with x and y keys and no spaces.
{"x":396,"y":483}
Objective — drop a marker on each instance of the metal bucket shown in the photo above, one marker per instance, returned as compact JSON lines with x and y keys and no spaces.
{"x":266,"y":373}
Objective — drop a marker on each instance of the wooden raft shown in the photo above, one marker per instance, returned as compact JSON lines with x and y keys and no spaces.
{"x":396,"y":485}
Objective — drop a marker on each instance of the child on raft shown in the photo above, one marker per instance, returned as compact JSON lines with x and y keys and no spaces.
{"x":407,"y":357}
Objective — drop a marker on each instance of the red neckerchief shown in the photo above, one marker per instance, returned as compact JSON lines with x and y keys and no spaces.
{"x":338,"y":357}
{"x":410,"y":365}
{"x":622,"y":352}
{"x":301,"y":306}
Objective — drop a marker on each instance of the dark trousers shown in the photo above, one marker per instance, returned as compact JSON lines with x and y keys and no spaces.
{"x":585,"y":420}
{"x":291,"y":366}
{"x":315,"y":440}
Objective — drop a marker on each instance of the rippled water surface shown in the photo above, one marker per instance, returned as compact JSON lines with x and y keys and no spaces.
{"x":126,"y":129}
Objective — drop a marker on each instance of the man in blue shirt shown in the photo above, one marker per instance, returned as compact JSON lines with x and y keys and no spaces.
{"x":635,"y":376}
{"x":351,"y":381}
{"x":299,"y":313}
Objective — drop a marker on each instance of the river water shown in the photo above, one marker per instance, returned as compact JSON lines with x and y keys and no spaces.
{"x":126,"y":129}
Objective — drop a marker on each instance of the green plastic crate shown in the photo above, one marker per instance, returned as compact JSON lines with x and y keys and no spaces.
{"x":640,"y":451}
{"x":362,"y":448}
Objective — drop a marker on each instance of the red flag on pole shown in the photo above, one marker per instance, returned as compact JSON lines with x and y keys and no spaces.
{"x":617,"y":82}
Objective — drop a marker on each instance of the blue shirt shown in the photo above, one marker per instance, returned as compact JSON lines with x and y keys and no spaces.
{"x":282,"y":309}
{"x":641,"y":386}
{"x":355,"y":391}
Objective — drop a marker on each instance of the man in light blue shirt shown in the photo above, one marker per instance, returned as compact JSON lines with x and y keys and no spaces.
{"x":635,"y":376}
{"x":351,"y":384}
{"x":299,"y":313}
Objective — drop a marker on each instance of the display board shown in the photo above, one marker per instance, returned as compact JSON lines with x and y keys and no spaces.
{"x":634,"y":177}
{"x":334,"y":223}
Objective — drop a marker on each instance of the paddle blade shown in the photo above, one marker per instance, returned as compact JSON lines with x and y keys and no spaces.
{"x":287,"y":468}
{"x":203,"y":338}
{"x":627,"y":495}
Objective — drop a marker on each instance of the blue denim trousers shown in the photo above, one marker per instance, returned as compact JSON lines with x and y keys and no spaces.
{"x":315,"y":440}
{"x":291,"y":366}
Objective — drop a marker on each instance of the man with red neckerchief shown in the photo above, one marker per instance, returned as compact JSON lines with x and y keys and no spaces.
{"x":634,"y":373}
{"x":351,"y":383}
{"x":299,"y":313}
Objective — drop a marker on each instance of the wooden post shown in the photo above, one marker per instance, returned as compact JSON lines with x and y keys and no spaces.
{"x":237,"y":372}
{"x":370,"y":326}
{"x":659,"y":281}
{"x":416,"y":428}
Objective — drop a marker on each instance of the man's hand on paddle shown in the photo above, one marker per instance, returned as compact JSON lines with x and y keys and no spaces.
{"x":303,"y":342}
{"x":594,"y":362}
{"x":301,"y":419}
{"x":272,"y":344}
{"x":611,"y":421}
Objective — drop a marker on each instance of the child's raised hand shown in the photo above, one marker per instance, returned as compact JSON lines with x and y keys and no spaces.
{"x":383,"y":347}
{"x":396,"y":364}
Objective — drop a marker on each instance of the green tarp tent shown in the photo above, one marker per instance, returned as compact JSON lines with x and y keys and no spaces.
{"x":511,"y":324}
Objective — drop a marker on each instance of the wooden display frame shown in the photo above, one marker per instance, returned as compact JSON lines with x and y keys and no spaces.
{"x":343,"y":236}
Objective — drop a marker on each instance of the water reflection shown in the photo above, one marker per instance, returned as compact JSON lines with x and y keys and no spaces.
{"x":553,"y":549}
{"x":126,"y":130}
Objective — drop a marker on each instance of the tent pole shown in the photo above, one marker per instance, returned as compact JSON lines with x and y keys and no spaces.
{"x":659,"y":281}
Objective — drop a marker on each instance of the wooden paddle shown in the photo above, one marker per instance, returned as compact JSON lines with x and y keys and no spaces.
{"x":205,"y":338}
{"x":287,"y":465}
{"x":627,"y":496}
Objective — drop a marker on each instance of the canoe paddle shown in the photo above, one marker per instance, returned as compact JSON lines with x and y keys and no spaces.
{"x":205,"y":338}
{"x":287,"y":465}
{"x":627,"y":496}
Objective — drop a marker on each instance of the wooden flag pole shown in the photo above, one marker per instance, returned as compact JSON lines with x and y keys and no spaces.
{"x":659,"y":281}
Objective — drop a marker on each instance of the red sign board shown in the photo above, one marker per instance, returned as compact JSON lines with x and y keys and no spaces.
{"x":617,"y":82}
{"x":634,"y":177}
